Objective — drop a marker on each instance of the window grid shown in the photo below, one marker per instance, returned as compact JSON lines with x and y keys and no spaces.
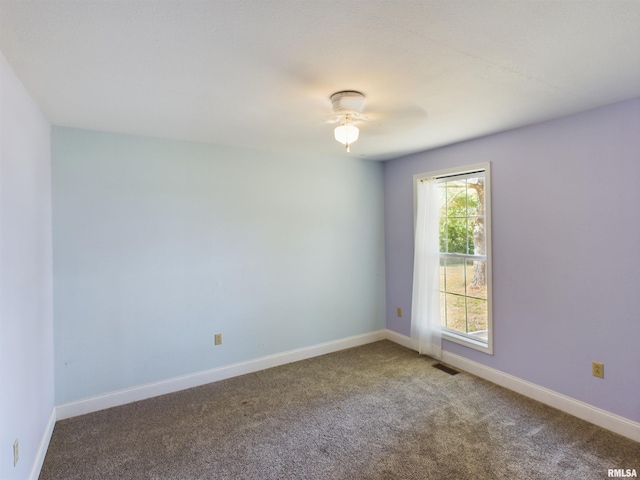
{"x":448,"y":197}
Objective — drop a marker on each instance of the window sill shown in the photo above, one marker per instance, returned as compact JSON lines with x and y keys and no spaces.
{"x":468,"y":342}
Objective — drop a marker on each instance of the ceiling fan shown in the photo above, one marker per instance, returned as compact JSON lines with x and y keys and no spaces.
{"x":348,"y":107}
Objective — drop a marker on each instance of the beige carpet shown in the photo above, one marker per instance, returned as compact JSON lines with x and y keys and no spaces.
{"x":374,"y":412}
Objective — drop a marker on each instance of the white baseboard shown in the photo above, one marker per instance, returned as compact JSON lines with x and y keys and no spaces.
{"x":142,"y":392}
{"x":597,"y":416}
{"x":403,"y":340}
{"x":42,"y":448}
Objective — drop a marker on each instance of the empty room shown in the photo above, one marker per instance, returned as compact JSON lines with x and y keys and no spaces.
{"x":296,"y":239}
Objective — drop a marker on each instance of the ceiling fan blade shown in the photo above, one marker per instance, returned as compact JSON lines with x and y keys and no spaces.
{"x":388,"y":121}
{"x":332,"y":120}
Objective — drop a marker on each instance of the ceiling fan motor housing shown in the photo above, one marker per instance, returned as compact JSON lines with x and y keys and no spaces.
{"x":347,"y":102}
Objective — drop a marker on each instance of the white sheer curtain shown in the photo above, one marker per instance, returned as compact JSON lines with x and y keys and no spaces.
{"x":425,"y":308}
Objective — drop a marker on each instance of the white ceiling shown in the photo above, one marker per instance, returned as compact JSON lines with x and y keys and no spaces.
{"x":259,"y":73}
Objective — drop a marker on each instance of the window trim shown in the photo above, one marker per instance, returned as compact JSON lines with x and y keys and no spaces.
{"x":447,"y":334}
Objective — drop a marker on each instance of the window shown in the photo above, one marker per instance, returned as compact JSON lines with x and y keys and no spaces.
{"x":465,"y":254}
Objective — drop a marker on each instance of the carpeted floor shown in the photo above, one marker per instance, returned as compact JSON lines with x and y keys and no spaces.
{"x":374,"y":412}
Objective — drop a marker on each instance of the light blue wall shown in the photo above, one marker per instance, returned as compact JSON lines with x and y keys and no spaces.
{"x":566,"y":251}
{"x":26,"y":306}
{"x":159,"y":244}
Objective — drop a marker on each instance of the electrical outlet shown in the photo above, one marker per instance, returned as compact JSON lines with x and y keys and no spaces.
{"x":16,"y":452}
{"x":597,"y":369}
{"x":399,"y":310}
{"x":218,"y":339}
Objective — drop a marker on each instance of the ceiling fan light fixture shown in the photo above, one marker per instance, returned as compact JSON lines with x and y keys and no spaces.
{"x":348,"y":105}
{"x":347,"y":133}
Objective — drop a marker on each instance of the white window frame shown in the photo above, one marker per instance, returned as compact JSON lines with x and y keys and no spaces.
{"x":447,"y":334}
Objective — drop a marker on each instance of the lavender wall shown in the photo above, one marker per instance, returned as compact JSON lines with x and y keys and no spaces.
{"x":566,"y":261}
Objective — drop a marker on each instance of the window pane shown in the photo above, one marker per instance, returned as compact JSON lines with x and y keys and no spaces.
{"x":476,"y":279}
{"x":476,"y":315}
{"x":456,"y":312}
{"x":472,"y":198}
{"x":478,"y":236}
{"x":463,"y":303}
{"x":443,"y":233}
{"x":458,"y":215}
{"x":456,"y":198}
{"x":455,"y":275}
{"x":457,"y":235}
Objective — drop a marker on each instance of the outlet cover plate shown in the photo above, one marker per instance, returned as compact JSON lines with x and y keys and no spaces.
{"x":597,"y":369}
